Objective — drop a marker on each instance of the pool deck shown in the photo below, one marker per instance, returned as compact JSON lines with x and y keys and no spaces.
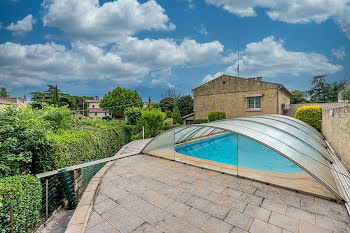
{"x":143,"y":193}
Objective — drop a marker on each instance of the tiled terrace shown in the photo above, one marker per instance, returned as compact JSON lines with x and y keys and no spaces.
{"x":149,"y":194}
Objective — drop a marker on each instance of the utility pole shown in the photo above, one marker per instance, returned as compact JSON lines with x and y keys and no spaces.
{"x":83,"y":106}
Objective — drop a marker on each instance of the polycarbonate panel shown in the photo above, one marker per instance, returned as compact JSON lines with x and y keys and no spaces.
{"x":292,"y":139}
{"x":207,"y":147}
{"x":162,"y":145}
{"x":258,"y":162}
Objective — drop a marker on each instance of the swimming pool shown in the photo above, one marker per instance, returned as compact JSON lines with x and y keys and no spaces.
{"x":251,"y":154}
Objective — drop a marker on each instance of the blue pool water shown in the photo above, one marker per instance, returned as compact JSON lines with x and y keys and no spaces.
{"x":251,"y":154}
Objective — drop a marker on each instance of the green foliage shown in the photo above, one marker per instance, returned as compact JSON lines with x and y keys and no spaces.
{"x":185,"y":104}
{"x":216,"y":115}
{"x":167,"y":103}
{"x":154,"y":105}
{"x":323,"y":92}
{"x":345,"y":95}
{"x":168,"y":113}
{"x":297,"y":97}
{"x":132,"y":115}
{"x":311,"y":115}
{"x":3,"y":92}
{"x":24,"y":193}
{"x":200,"y":121}
{"x":59,"y":118}
{"x":107,"y":118}
{"x":176,"y":116}
{"x":168,"y":123}
{"x":22,"y":137}
{"x":153,"y":121}
{"x":119,"y":99}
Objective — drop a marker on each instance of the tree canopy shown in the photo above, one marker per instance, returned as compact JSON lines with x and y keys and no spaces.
{"x":297,"y":97}
{"x":3,"y":92}
{"x":185,"y":104}
{"x":119,"y":99}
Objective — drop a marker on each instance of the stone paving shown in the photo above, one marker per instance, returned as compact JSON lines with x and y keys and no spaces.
{"x":149,"y":194}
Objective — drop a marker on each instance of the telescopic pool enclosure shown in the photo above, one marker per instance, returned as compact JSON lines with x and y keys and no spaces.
{"x":274,"y":149}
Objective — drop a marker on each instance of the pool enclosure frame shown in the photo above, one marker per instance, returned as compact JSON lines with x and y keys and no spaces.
{"x":293,"y":139}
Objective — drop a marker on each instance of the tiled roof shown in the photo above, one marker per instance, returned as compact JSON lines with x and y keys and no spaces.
{"x":92,"y":101}
{"x":189,"y":115}
{"x":97,"y":110}
{"x":293,"y":107}
{"x":5,"y":102}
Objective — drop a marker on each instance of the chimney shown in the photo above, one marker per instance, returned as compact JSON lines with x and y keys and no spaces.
{"x":8,"y":96}
{"x":258,"y":78}
{"x":149,"y":100}
{"x":97,"y":98}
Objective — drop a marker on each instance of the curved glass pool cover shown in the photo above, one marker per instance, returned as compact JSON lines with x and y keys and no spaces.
{"x":275,"y":149}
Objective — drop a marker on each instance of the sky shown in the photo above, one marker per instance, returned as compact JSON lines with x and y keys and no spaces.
{"x":90,"y":47}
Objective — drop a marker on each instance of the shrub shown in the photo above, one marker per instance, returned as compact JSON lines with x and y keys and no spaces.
{"x":24,"y":193}
{"x":153,"y":121}
{"x":22,"y":138}
{"x":168,"y":123}
{"x":132,"y":115}
{"x":176,"y":115}
{"x":168,"y":113}
{"x":216,"y":115}
{"x":107,"y":118}
{"x":58,"y":118}
{"x":311,"y":115}
{"x":200,"y":121}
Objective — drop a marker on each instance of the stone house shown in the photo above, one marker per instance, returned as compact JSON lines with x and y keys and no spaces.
{"x":345,"y":87}
{"x":240,"y":97}
{"x":94,"y":109}
{"x":9,"y":100}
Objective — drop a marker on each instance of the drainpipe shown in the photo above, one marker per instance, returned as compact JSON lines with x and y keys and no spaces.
{"x":278,"y":102}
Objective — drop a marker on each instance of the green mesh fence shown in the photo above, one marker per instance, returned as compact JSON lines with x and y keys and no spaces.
{"x":89,"y":172}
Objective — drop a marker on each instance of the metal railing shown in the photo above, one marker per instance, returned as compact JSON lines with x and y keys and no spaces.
{"x":52,"y":196}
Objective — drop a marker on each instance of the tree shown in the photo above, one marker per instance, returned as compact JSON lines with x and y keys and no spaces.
{"x":132,"y":115}
{"x":297,"y":97}
{"x":170,"y":94}
{"x":335,"y":87}
{"x":153,"y":121}
{"x":119,"y":99}
{"x":167,"y":103}
{"x":321,"y":91}
{"x":3,"y":92}
{"x":345,"y":95}
{"x":185,"y":104}
{"x":176,"y":116}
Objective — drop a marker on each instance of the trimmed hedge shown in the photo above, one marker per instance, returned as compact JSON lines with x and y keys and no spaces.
{"x":24,"y":193}
{"x":200,"y":121}
{"x":311,"y":115}
{"x":216,"y":115}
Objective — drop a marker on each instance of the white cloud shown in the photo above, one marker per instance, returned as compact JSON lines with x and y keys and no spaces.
{"x":268,"y":58}
{"x":231,"y":57}
{"x":292,"y":11}
{"x":191,"y":5}
{"x":87,"y":20}
{"x":202,"y":30}
{"x":164,"y":53}
{"x":126,"y":63}
{"x":339,"y":53}
{"x":22,"y":26}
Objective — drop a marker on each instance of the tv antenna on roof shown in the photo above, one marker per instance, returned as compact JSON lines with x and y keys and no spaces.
{"x":238,"y":58}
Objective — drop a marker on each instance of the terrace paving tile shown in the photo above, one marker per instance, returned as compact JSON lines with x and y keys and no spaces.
{"x":149,"y":194}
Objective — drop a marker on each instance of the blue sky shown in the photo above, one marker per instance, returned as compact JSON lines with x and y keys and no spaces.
{"x":89,"y":47}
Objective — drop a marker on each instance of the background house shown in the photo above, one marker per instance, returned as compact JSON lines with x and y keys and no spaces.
{"x":345,"y":87}
{"x":8,"y":100}
{"x":239,"y":97}
{"x":94,"y":109}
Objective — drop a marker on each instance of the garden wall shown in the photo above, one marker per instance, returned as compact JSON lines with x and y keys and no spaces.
{"x":336,"y":129}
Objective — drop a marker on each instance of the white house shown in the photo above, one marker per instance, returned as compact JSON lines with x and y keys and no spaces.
{"x":94,"y":109}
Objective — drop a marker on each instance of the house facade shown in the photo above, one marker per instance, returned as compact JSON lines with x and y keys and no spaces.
{"x":94,"y":109}
{"x":9,"y":100}
{"x":240,"y":97}
{"x":345,"y":87}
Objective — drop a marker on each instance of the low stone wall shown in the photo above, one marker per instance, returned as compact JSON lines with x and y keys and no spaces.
{"x":336,"y":129}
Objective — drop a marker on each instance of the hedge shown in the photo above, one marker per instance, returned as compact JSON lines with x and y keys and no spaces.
{"x":24,"y":193}
{"x":216,"y":115}
{"x":168,"y":123}
{"x":311,"y":115}
{"x":81,"y":145}
{"x":200,"y":121}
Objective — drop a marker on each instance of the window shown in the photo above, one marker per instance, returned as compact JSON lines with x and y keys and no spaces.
{"x":105,"y":114}
{"x":93,"y":106}
{"x":254,"y":102}
{"x":95,"y":113}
